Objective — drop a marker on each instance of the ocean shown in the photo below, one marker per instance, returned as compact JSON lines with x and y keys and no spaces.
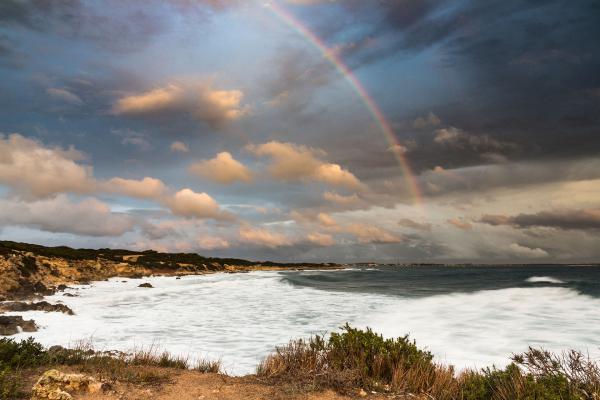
{"x":470,"y":316}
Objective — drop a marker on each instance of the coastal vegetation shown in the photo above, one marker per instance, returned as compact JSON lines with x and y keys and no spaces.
{"x":352,"y":362}
{"x":148,"y":258}
{"x":361,"y":358}
{"x":143,"y":367}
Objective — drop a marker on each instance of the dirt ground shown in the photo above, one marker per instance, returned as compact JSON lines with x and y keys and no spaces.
{"x":192,"y":385}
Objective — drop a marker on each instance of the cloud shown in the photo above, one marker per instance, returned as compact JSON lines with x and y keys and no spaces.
{"x":212,"y":243}
{"x":320,"y":239}
{"x":334,"y":174}
{"x":366,"y":233}
{"x":508,"y":175}
{"x":64,"y":95}
{"x":460,"y":224}
{"x":147,"y":188}
{"x":119,"y":26}
{"x":295,"y":78}
{"x":308,"y":2}
{"x":565,"y":219}
{"x":341,"y":199}
{"x":179,"y":147}
{"x":291,"y":162}
{"x":221,"y":169}
{"x":527,"y":252}
{"x":321,"y":218}
{"x":326,"y":220}
{"x":31,"y":169}
{"x":196,"y":100}
{"x":457,"y":138}
{"x":88,"y":217}
{"x":428,"y":121}
{"x":153,"y":101}
{"x":409,"y":223}
{"x":133,"y":138}
{"x":189,"y":204}
{"x":263,"y":237}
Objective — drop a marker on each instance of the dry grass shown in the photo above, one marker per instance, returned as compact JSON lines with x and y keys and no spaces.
{"x":208,"y":366}
{"x":362,"y":359}
{"x":150,"y":366}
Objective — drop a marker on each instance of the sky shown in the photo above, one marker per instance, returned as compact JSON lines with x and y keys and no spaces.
{"x":304,"y":130}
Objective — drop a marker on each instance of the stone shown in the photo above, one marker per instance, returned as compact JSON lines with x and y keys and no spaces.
{"x":145,"y":285}
{"x":56,"y":385}
{"x":11,"y":325}
{"x":39,"y":306}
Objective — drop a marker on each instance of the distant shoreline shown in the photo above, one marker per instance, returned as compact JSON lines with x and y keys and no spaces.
{"x":30,"y":271}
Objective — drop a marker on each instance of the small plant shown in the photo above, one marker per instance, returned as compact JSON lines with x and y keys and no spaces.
{"x":208,"y":366}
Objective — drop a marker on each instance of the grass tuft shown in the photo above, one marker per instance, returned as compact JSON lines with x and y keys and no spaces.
{"x":208,"y":366}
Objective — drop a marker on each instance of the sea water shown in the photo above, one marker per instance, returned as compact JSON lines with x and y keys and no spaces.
{"x":467,"y":316}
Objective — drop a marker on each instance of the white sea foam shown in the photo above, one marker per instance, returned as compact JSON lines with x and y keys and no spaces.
{"x":240,"y":317}
{"x":544,"y":279}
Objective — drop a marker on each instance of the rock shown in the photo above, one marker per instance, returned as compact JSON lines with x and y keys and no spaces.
{"x":39,"y":306}
{"x":362,"y":393}
{"x":62,"y":288}
{"x":11,"y":325}
{"x":145,"y":285}
{"x":69,"y":295}
{"x":56,"y":385}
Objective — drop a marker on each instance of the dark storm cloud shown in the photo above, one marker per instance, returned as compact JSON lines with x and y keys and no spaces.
{"x":113,"y":25}
{"x":296,"y":78}
{"x":565,"y":219}
{"x":529,"y":67}
{"x":38,"y":14}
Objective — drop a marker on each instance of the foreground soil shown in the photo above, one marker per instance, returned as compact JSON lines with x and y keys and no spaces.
{"x":193,"y":385}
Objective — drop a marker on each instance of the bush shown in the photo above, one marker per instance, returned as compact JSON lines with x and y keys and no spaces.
{"x":361,"y":358}
{"x":352,"y":358}
{"x":146,"y":367}
{"x":17,"y":355}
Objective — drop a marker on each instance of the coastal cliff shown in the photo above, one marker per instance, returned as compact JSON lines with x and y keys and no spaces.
{"x":27,"y":269}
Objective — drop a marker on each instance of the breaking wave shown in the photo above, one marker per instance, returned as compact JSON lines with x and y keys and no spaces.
{"x":239,"y":318}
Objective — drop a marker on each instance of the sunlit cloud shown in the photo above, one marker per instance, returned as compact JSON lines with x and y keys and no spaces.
{"x":199,"y":101}
{"x":291,"y":162}
{"x":221,"y":169}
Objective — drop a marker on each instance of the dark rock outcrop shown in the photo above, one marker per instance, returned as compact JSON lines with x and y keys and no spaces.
{"x":10,"y":325}
{"x":146,"y":285}
{"x":39,"y":306}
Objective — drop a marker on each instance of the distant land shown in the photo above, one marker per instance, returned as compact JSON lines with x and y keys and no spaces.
{"x":31,"y":269}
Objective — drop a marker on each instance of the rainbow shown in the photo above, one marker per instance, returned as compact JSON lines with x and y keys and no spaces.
{"x":395,"y":146}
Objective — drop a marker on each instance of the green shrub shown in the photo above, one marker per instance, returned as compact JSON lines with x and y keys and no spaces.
{"x":9,"y":384}
{"x":351,"y":358}
{"x":16,"y":355}
{"x":362,"y":358}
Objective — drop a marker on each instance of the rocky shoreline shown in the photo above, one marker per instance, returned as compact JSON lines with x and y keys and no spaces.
{"x":29,"y":272}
